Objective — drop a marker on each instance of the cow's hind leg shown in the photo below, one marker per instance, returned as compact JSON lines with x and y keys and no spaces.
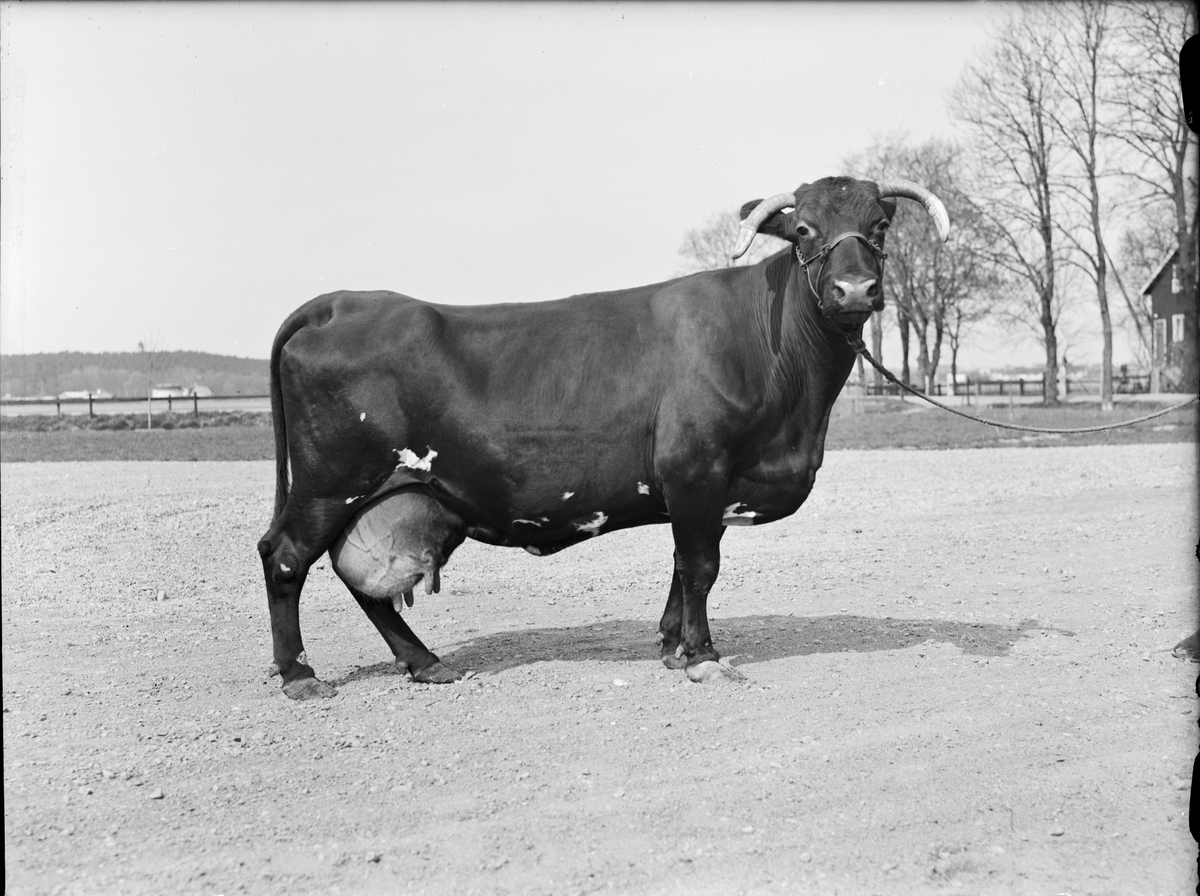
{"x":411,"y":655}
{"x":286,"y":561}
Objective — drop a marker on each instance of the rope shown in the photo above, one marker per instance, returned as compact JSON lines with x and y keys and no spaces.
{"x":857,"y":344}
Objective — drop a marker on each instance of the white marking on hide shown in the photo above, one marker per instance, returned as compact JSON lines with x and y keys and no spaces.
{"x":410,"y":460}
{"x":643,"y":489}
{"x":362,"y":416}
{"x":285,"y":567}
{"x":566,"y":495}
{"x":733,"y":518}
{"x":352,"y":500}
{"x":537,"y":552}
{"x":526,"y":522}
{"x":593,"y":526}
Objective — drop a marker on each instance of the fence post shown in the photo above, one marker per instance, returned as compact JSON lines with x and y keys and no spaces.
{"x":91,"y":413}
{"x":57,"y":407}
{"x":168,"y":404}
{"x":195,"y":405}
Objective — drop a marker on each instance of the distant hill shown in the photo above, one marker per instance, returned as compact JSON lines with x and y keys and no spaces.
{"x":127,"y":374}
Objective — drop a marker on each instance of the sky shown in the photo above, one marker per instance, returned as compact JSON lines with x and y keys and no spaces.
{"x":186,"y":175}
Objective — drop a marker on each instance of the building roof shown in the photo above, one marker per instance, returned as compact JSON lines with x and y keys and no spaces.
{"x":1171,"y":256}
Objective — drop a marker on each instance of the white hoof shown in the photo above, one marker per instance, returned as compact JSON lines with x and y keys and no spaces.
{"x":712,"y":670}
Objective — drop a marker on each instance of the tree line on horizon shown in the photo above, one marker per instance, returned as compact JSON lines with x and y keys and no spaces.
{"x":129,"y":374}
{"x":1073,"y":180}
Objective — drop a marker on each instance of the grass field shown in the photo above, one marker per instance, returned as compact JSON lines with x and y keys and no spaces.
{"x":890,"y":424}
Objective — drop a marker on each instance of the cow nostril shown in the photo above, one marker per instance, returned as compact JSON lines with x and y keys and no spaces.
{"x":873,"y":289}
{"x":838,"y":293}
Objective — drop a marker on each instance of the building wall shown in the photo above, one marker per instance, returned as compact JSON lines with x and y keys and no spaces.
{"x":1175,"y":347}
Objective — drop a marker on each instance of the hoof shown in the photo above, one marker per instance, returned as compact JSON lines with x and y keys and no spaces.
{"x":1188,"y":648}
{"x":438,"y":673}
{"x":308,"y":689}
{"x":658,"y":639}
{"x":674,"y":659}
{"x":712,"y":670}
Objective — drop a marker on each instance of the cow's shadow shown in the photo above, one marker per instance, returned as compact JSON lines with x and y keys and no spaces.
{"x":751,"y":639}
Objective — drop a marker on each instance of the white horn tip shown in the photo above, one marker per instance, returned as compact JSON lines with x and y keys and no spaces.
{"x":745,"y":238}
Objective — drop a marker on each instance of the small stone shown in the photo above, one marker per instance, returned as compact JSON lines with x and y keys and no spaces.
{"x":805,"y":857}
{"x":374,"y":857}
{"x":156,"y":794}
{"x":1056,"y":831}
{"x":108,"y":774}
{"x":748,"y":829}
{"x":618,"y":793}
{"x":1181,"y":784}
{"x":619,"y":682}
{"x":162,"y":595}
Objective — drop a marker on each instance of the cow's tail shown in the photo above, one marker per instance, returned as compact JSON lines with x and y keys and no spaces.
{"x":290,"y":327}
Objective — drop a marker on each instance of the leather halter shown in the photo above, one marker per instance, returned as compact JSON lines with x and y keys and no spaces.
{"x":823,"y":256}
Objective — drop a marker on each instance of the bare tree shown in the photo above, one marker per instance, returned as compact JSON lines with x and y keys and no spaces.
{"x":1152,"y":123}
{"x":1005,"y":101}
{"x":707,"y":248}
{"x":150,"y":348}
{"x":1083,"y":77}
{"x":929,"y":281}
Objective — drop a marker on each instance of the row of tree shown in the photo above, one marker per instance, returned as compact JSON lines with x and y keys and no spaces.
{"x":1074,"y":177}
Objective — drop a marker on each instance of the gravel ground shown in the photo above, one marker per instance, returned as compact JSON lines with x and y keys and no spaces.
{"x":959,"y":667}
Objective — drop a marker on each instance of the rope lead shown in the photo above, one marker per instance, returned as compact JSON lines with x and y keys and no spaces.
{"x":859,"y":346}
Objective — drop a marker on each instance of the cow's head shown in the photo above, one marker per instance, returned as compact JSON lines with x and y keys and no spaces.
{"x":837,"y":226}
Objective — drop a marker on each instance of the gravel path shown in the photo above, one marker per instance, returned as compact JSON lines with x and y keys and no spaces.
{"x":959,"y":666}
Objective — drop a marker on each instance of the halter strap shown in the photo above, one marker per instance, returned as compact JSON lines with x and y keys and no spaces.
{"x":823,"y":256}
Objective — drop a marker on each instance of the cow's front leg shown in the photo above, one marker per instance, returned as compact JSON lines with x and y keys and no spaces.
{"x":697,"y":529}
{"x":670,"y":626}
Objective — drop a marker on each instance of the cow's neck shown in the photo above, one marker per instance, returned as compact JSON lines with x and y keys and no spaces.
{"x":809,"y":359}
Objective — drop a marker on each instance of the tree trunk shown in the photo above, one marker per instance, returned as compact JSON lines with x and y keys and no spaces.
{"x":904,"y":324}
{"x":877,"y":347}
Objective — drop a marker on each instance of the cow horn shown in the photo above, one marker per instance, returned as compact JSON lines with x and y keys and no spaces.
{"x":754,"y":220}
{"x":933,"y":205}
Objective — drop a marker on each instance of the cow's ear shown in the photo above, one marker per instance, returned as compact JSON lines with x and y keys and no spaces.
{"x":747,"y":208}
{"x":889,"y":207}
{"x":776,"y":225}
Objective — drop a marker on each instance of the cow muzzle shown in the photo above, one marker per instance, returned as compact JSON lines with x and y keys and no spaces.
{"x":849,"y":297}
{"x":857,"y":296}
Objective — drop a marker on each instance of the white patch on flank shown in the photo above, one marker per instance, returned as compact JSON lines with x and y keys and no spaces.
{"x":409,"y":460}
{"x":643,"y":489}
{"x":593,"y":526}
{"x":526,"y":522}
{"x":566,"y":495}
{"x":733,"y":518}
{"x":352,"y":500}
{"x":362,"y":416}
{"x":535,"y":551}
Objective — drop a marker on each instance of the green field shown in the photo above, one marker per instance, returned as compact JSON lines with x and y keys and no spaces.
{"x":878,"y":424}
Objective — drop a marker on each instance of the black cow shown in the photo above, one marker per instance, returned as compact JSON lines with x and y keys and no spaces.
{"x":701,"y":402}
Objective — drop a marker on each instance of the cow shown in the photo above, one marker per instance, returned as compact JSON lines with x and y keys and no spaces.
{"x":700,"y":402}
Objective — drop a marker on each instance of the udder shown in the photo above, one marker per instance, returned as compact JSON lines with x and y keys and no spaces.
{"x":394,"y":543}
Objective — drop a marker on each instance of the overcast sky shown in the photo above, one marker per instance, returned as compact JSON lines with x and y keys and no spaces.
{"x":190,"y":173}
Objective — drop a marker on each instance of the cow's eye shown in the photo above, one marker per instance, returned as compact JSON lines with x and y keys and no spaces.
{"x":883,"y":225}
{"x":803,"y":231}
